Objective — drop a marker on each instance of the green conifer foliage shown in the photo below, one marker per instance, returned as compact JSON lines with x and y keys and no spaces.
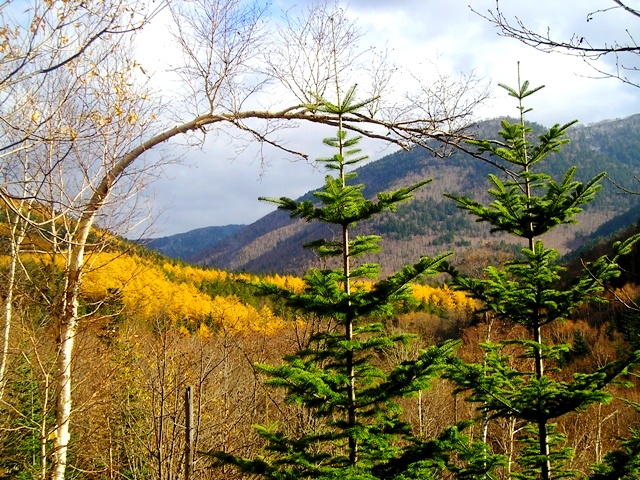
{"x":527,"y":203}
{"x":338,"y":377}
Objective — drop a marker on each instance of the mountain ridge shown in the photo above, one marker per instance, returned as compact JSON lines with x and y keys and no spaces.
{"x":183,"y":245}
{"x":430,"y":223}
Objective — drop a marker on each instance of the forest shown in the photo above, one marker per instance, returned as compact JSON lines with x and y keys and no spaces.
{"x":152,"y":328}
{"x":117,"y":362}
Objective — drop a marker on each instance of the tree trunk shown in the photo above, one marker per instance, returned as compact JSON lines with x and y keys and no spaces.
{"x":350,"y":360}
{"x":68,"y":325}
{"x":43,"y":430}
{"x":543,"y":438}
{"x":188,"y":451}
{"x":66,"y":311}
{"x":17,"y":235}
{"x":8,"y":311}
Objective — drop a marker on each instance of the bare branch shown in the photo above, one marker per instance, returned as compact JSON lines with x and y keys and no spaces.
{"x":576,"y":45}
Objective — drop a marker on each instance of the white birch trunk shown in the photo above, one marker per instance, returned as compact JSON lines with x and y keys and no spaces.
{"x":67,"y":320}
{"x":17,"y":235}
{"x":8,"y":315}
{"x":68,"y":325}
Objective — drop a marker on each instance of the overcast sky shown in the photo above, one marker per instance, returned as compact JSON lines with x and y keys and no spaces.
{"x":219,"y":187}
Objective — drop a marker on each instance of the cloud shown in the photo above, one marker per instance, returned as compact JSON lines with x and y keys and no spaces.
{"x":222,"y":188}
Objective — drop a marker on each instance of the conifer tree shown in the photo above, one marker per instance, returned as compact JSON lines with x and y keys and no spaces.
{"x":531,"y":292}
{"x":338,"y":377}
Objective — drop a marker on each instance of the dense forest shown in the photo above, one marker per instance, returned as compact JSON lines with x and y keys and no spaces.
{"x":152,"y":327}
{"x":155,"y":326}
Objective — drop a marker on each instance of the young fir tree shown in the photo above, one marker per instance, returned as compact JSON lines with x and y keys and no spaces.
{"x":531,"y":292}
{"x":360,"y":433}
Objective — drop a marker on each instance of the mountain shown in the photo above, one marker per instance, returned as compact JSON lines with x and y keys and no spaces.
{"x":431,"y":223}
{"x":184,"y":245}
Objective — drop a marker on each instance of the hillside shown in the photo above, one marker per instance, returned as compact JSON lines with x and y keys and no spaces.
{"x":184,"y":245}
{"x":430,"y":223}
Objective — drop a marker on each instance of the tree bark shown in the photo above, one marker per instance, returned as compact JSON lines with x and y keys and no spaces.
{"x":67,"y":328}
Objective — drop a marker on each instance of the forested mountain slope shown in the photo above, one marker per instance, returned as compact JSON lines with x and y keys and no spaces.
{"x":183,"y":245}
{"x":431,"y":223}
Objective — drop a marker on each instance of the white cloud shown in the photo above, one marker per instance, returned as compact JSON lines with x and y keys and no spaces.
{"x":219,"y":191}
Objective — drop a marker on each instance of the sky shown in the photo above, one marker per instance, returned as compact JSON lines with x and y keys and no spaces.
{"x":217,"y":185}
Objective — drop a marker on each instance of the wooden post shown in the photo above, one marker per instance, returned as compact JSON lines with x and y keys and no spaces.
{"x":188,"y":448}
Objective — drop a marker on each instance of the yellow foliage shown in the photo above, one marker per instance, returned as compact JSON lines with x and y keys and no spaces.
{"x":147,"y":292}
{"x":443,"y":298}
{"x":199,"y":275}
{"x":203,"y":332}
{"x":294,"y":284}
{"x":195,"y":275}
{"x":245,"y":277}
{"x":132,"y":118}
{"x":234,"y":316}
